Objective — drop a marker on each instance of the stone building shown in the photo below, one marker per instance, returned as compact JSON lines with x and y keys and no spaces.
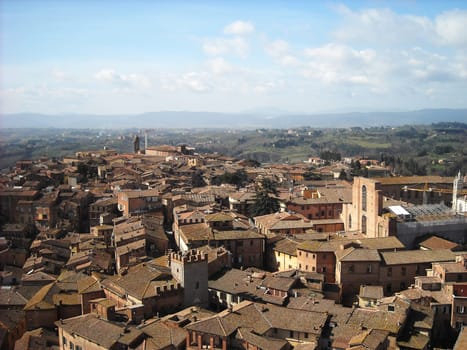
{"x":191,"y":270}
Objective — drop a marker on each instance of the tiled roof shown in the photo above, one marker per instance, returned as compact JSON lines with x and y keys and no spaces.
{"x":9,"y":296}
{"x":286,"y":245}
{"x":372,"y":292}
{"x":261,"y":318}
{"x":222,"y":217}
{"x":140,"y":281}
{"x":88,"y":285}
{"x":358,"y":254}
{"x":436,"y":242}
{"x":164,"y":335}
{"x":98,"y":331}
{"x":417,"y":256}
{"x":261,"y":342}
{"x":413,"y":180}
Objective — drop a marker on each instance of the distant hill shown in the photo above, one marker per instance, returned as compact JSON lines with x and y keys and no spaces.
{"x":173,"y":119}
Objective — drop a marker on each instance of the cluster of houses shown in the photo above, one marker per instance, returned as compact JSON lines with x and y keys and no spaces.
{"x":142,"y":251}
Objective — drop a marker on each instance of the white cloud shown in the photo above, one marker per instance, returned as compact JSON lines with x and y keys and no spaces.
{"x":334,"y":63}
{"x":196,"y":82}
{"x":383,"y":27}
{"x":277,"y":48}
{"x":239,"y":28}
{"x":451,"y":27}
{"x":215,"y":47}
{"x":123,"y":80}
{"x":219,"y":66}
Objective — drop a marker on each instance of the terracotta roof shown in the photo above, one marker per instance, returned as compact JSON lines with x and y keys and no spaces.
{"x":89,"y":285}
{"x":236,"y":234}
{"x":287,"y":246}
{"x":163,"y":334}
{"x":9,"y":296}
{"x":311,"y":304}
{"x":358,"y":254}
{"x":371,"y":292}
{"x":413,"y":180}
{"x":261,"y":342}
{"x":370,"y":339}
{"x":436,"y":242}
{"x":261,"y":318}
{"x":140,"y":281}
{"x":417,"y":256}
{"x":222,"y":217}
{"x":98,"y":331}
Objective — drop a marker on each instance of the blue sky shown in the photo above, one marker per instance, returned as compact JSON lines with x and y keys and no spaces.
{"x":110,"y":57}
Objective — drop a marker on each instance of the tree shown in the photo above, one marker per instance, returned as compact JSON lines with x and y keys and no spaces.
{"x":266,"y":201}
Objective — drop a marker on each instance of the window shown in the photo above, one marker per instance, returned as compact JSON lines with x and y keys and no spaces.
{"x":306,"y":335}
{"x":300,"y":253}
{"x":403,"y":270}
{"x":197,"y":285}
{"x":389,"y":288}
{"x":239,"y":243}
{"x":389,"y":272}
{"x":72,"y":346}
{"x":312,"y":268}
{"x":251,"y":242}
{"x":351,"y":268}
{"x":306,"y":267}
{"x":278,"y":253}
{"x":78,"y":347}
{"x":324,"y":268}
{"x":291,"y":334}
{"x":402,"y":285}
{"x":363,"y":224}
{"x":306,"y":255}
{"x":364,"y":198}
{"x":64,"y":341}
{"x":369,"y":268}
{"x":460,"y":309}
{"x":350,"y":221}
{"x":314,"y":256}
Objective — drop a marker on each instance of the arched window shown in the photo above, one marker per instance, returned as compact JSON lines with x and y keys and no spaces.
{"x":350,"y":221}
{"x":363,"y":224}
{"x":364,"y":197}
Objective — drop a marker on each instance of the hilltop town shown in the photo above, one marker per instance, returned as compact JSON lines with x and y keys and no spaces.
{"x":170,"y":248}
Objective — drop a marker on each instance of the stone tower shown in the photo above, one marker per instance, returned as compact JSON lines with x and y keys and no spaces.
{"x":136,"y":147}
{"x":457,"y":186}
{"x":190,"y":269}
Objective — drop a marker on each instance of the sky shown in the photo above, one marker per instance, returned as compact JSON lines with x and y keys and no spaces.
{"x":119,"y":57}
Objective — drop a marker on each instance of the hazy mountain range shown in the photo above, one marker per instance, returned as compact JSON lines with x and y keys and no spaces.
{"x":181,"y":119}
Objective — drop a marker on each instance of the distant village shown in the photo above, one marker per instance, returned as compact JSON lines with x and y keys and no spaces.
{"x":155,"y":250}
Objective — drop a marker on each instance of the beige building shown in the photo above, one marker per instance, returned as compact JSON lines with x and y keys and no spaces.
{"x":370,"y":196}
